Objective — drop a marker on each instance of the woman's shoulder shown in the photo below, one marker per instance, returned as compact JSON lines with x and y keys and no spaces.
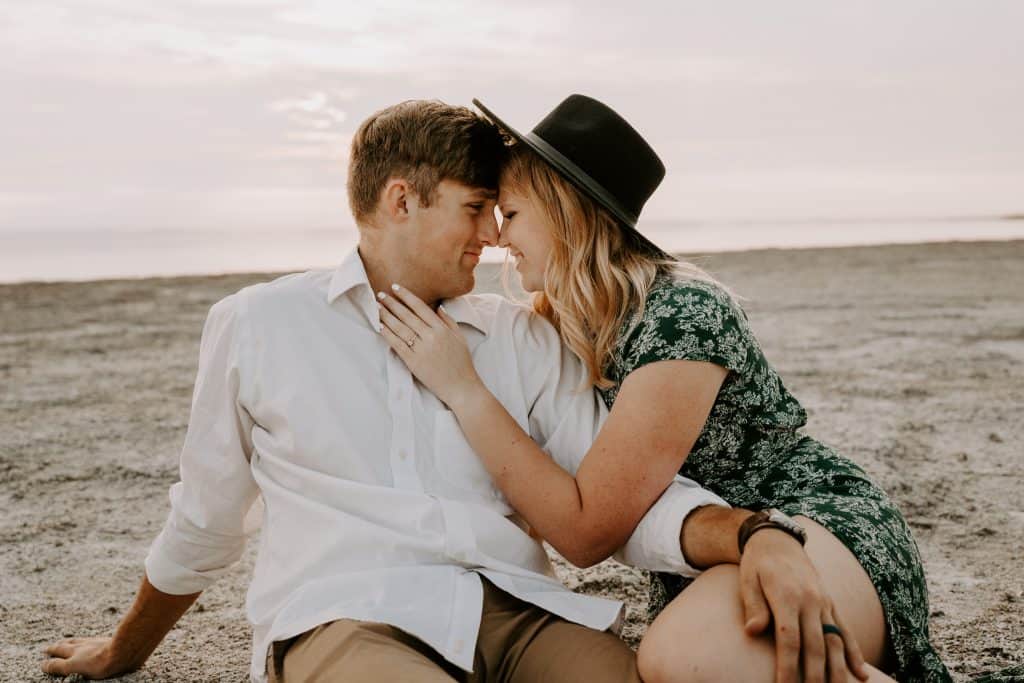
{"x":685,"y":319}
{"x":689,"y":300}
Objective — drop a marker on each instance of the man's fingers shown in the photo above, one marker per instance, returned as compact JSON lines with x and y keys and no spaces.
{"x":755,"y":608}
{"x":787,"y":636}
{"x":851,"y":648}
{"x":813,"y":647}
{"x":416,"y":305}
{"x":403,"y":313}
{"x":836,"y":654}
{"x":61,"y":649}
{"x":56,"y":667}
{"x":787,"y":647}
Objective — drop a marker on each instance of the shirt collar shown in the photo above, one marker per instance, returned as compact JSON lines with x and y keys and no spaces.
{"x":462,"y":311}
{"x":351,"y":273}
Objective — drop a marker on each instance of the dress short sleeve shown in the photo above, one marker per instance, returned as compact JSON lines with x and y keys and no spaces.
{"x":690,"y":320}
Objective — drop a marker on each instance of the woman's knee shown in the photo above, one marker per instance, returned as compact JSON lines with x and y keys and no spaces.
{"x":850,"y":588}
{"x":658,"y":660}
{"x":700,"y":636}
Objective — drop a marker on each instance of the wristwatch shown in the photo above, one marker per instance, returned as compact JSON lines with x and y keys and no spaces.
{"x":769,"y":519}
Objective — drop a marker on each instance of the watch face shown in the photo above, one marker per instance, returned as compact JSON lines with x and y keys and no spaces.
{"x":785,"y":520}
{"x":779,"y":517}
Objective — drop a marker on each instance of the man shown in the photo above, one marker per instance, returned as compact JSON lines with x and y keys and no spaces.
{"x":386,"y":552}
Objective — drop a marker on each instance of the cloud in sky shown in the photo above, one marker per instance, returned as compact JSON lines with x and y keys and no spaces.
{"x":217,"y":113}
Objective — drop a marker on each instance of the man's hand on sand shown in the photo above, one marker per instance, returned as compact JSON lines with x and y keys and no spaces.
{"x":779,"y":584}
{"x":90,"y":657}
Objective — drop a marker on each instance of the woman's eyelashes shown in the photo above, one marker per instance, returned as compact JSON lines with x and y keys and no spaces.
{"x":508,"y":216}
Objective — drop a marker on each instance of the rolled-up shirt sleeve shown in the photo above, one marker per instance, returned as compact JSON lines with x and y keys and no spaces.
{"x":565,"y":418}
{"x":655,"y":544}
{"x":206,"y":529}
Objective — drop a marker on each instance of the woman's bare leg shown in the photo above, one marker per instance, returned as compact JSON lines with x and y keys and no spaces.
{"x":700,"y":635}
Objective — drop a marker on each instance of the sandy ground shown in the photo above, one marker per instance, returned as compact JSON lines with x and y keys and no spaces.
{"x":910,"y":359}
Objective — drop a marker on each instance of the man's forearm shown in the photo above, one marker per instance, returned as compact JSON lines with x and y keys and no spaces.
{"x":709,"y":536}
{"x":151,"y":616}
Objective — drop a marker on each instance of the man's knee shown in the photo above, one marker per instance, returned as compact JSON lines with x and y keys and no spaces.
{"x":569,"y":652}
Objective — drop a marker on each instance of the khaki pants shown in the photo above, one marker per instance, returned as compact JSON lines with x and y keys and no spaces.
{"x":518,"y":643}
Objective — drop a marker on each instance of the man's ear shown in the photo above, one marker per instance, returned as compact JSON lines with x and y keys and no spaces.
{"x":396,"y":198}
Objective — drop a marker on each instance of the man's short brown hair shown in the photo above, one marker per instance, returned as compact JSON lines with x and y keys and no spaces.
{"x":424,"y":142}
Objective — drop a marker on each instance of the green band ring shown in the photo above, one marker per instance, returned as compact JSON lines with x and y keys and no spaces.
{"x":831,"y":628}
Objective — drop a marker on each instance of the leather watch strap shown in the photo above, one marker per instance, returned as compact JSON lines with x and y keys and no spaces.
{"x":762,"y":520}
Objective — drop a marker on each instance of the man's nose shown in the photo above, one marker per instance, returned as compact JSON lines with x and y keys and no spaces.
{"x":487,"y":232}
{"x":503,"y":234}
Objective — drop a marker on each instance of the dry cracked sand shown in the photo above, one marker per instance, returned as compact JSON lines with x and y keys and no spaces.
{"x":909,"y":359}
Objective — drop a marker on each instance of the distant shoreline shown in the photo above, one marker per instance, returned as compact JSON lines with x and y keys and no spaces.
{"x":497,"y":263}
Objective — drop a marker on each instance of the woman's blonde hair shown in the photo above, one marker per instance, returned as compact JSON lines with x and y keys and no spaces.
{"x":597,"y":274}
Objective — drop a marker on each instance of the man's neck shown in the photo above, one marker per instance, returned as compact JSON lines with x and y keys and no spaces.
{"x":382,"y":272}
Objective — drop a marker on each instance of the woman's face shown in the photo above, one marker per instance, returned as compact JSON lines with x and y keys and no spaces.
{"x":526,"y":235}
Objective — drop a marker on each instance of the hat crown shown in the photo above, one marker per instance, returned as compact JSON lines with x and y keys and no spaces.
{"x":606,"y":148}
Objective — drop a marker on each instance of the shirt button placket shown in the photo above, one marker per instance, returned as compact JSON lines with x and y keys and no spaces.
{"x":403,"y":465}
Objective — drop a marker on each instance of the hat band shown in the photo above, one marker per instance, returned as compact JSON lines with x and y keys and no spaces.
{"x":581,"y":178}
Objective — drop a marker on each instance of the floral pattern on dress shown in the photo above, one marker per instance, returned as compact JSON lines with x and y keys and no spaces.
{"x":752,"y":454}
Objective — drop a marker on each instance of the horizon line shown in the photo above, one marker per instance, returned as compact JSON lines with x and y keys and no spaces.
{"x":674,"y":222}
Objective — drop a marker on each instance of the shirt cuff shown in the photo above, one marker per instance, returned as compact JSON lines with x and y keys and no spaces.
{"x":174,"y":578}
{"x":654,"y":544}
{"x":186,"y":559}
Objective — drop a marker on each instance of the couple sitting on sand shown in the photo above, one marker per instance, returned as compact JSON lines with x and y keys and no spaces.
{"x":410,"y":455}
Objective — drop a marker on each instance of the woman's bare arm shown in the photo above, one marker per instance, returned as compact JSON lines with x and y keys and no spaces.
{"x":657,"y":417}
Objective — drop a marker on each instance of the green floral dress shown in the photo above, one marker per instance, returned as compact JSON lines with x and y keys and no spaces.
{"x":753,"y":455}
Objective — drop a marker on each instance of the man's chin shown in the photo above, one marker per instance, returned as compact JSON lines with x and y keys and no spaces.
{"x":459,"y":284}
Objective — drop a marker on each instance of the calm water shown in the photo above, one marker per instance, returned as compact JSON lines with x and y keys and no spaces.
{"x":89,"y":255}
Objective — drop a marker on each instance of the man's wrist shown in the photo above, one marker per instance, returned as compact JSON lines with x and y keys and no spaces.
{"x":769,"y":519}
{"x":708,"y":536}
{"x":125,"y":652}
{"x":120,"y":656}
{"x":770,"y":537}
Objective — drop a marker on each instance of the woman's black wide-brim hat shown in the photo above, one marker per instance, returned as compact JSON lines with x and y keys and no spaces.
{"x":597,"y":150}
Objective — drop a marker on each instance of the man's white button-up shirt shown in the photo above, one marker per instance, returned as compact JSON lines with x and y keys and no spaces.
{"x":373,"y":505}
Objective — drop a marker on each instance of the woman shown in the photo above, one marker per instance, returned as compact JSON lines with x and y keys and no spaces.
{"x":689,"y":388}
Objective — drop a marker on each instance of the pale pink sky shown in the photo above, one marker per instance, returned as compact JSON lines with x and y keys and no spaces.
{"x":218,"y":114}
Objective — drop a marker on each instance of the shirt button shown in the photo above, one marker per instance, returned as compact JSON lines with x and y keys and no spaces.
{"x":403,"y":454}
{"x":458,"y":645}
{"x":399,"y":395}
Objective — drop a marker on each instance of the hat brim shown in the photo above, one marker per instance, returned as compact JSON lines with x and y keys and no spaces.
{"x":579,"y":178}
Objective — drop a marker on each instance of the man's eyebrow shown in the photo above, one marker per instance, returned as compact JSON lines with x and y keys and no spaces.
{"x":485,"y":193}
